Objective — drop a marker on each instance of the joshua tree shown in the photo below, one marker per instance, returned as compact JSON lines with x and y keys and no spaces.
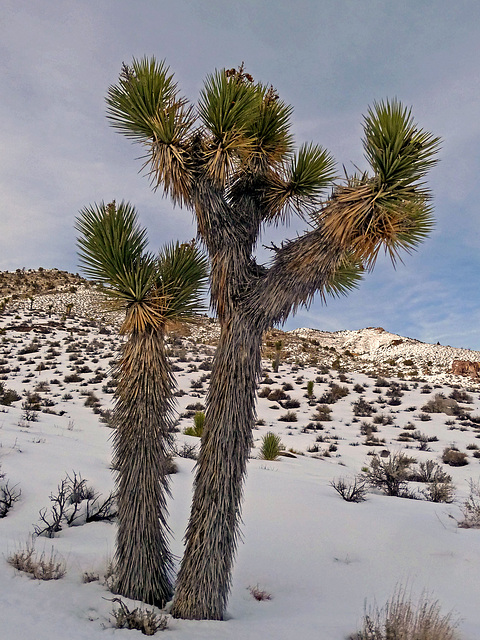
{"x":231,"y":161}
{"x":155,"y":292}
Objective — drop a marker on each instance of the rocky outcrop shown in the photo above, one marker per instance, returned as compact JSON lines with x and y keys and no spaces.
{"x":466,"y":368}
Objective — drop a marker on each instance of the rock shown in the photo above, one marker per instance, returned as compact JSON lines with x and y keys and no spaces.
{"x":466,"y":368}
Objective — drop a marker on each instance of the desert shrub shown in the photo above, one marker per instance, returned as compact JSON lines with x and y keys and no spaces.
{"x":362,"y":408}
{"x":290,"y":404}
{"x":8,"y":496}
{"x":74,"y":377}
{"x":75,"y":503}
{"x":394,"y":391}
{"x":198,"y":422}
{"x":401,"y":619}
{"x":351,"y":490}
{"x":259,"y":594}
{"x":334,"y":393}
{"x":429,"y":471}
{"x":461,"y":396}
{"x":287,"y":386}
{"x":439,"y":491}
{"x":90,"y":576}
{"x":187,"y":451}
{"x":322,"y":414}
{"x":440,"y":404}
{"x":265,"y":392}
{"x":39,"y":567}
{"x":7,"y":396}
{"x":389,"y":474}
{"x":358,"y":388}
{"x":145,"y":620}
{"x":383,"y":418}
{"x":424,"y":417}
{"x":381,"y":382}
{"x":290,"y":416}
{"x":32,"y":347}
{"x":454,"y":457}
{"x":271,"y":446}
{"x":366,"y":428}
{"x":277,"y":394}
{"x":471,"y":508}
{"x":197,"y":406}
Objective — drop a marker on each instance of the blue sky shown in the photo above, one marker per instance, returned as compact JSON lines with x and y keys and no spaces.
{"x":330,"y":59}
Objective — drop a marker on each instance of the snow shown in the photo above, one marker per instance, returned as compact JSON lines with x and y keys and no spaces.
{"x":318,"y":556}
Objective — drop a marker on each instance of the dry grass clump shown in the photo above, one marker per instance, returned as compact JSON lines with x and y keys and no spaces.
{"x":400,"y":619}
{"x":471,"y":508}
{"x":259,"y":594}
{"x":144,"y":620}
{"x":39,"y":567}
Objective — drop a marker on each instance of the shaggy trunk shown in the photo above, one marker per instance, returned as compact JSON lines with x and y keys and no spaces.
{"x":300,"y":268}
{"x":204,"y":579}
{"x":142,"y":417}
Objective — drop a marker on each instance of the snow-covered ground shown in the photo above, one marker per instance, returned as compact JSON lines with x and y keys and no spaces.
{"x":319,"y":556}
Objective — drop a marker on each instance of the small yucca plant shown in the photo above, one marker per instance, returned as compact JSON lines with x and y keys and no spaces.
{"x":198,"y":422}
{"x":271,"y":446}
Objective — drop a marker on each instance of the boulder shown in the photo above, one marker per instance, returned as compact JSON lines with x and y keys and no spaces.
{"x":466,"y":368}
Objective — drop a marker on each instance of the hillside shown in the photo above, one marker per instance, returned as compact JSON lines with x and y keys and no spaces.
{"x":59,"y":293}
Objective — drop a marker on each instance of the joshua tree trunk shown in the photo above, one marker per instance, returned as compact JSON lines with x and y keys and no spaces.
{"x":204,"y":579}
{"x":143,"y":564}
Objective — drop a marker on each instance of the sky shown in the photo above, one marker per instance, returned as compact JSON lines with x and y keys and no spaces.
{"x":329,"y":59}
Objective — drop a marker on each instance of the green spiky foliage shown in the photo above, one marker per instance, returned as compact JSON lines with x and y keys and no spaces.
{"x":233,"y":163}
{"x":154,"y":292}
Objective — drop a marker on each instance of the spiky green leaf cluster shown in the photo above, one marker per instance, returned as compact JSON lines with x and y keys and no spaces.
{"x":112,"y":250}
{"x":153,"y":291}
{"x":145,"y":103}
{"x":182,"y":273}
{"x":398,"y":151}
